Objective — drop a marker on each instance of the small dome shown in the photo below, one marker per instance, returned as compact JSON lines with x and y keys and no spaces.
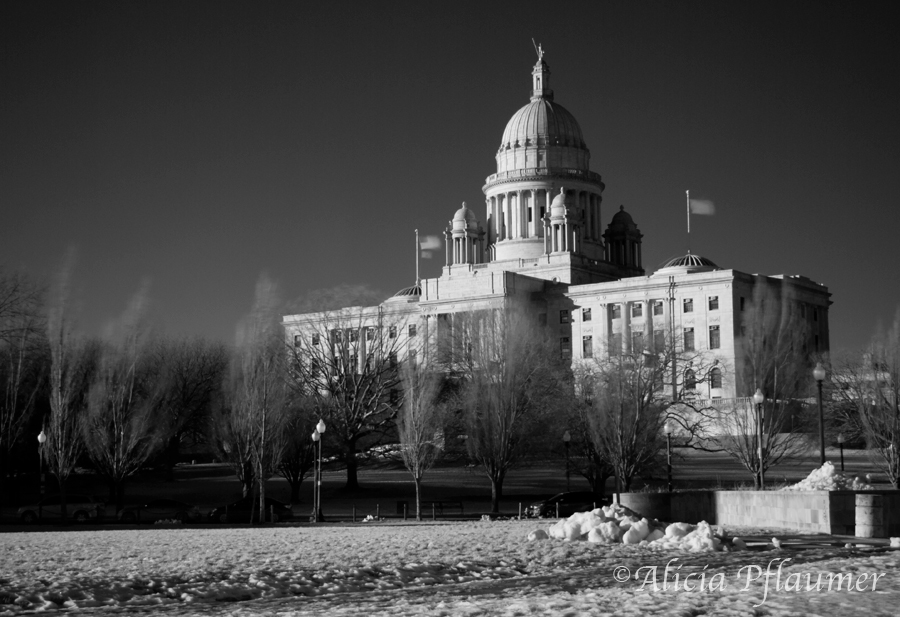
{"x":465,"y":214}
{"x":686,"y":264}
{"x":464,"y":219}
{"x":622,"y":219}
{"x":558,"y":207}
{"x":413,"y":290}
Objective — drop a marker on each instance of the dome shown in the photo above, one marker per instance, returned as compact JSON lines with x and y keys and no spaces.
{"x":622,"y":220}
{"x":687,"y":264}
{"x":413,"y":290}
{"x":558,"y":206}
{"x":542,"y":123}
{"x":465,"y":214}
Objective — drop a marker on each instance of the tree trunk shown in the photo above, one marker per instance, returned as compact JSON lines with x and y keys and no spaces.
{"x":418,"y":481}
{"x":496,"y":493}
{"x":350,"y":455}
{"x":247,"y":481}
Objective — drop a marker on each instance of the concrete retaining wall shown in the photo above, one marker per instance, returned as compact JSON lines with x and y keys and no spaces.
{"x":831,"y":512}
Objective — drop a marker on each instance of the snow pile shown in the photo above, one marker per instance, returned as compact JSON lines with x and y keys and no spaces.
{"x":616,"y":524}
{"x":826,"y":478}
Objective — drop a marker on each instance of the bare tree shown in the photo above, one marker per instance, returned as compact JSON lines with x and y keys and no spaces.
{"x":868,"y":388}
{"x":420,"y":423}
{"x":298,"y":457}
{"x":257,"y":395}
{"x":772,"y":358}
{"x":22,"y":360}
{"x":73,"y":360}
{"x":584,"y":458}
{"x":346,"y":360}
{"x":121,"y":429}
{"x":192,"y":374}
{"x":508,"y":371}
{"x":628,"y":396}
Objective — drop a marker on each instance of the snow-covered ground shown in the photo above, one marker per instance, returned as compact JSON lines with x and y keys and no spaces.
{"x":477,"y":568}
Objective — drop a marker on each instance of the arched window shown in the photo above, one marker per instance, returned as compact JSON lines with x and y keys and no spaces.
{"x":690,"y":380}
{"x":715,"y":378}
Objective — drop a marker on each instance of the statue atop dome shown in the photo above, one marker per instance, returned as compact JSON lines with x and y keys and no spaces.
{"x":539,"y":50}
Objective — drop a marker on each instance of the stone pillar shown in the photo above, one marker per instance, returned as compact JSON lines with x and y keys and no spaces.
{"x":626,"y":327}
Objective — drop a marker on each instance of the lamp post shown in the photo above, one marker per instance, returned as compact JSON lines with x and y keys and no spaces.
{"x":841,"y":446}
{"x":314,"y":518}
{"x":317,"y":496}
{"x":819,"y":376}
{"x":42,"y":438}
{"x":668,"y":429}
{"x":758,"y":400}
{"x":566,"y":439}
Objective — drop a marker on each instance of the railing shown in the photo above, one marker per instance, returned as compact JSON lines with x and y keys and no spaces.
{"x":530,"y":172}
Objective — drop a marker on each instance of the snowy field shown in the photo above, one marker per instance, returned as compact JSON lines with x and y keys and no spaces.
{"x":475,"y":568}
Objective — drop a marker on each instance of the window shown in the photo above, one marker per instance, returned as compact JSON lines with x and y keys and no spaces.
{"x":615,"y":344}
{"x":564,"y":316}
{"x":688,"y":305}
{"x":657,"y":307}
{"x":392,"y":332}
{"x":616,"y":311}
{"x":565,"y":347}
{"x":298,"y":340}
{"x":637,"y":341}
{"x":742,"y":303}
{"x":412,"y":329}
{"x":815,"y":312}
{"x":354,"y":335}
{"x":714,"y":337}
{"x":689,"y":339}
{"x":315,"y":339}
{"x":637,"y":309}
{"x":585,"y":314}
{"x":659,"y":340}
{"x":315,"y":366}
{"x":370,"y":334}
{"x":412,"y":358}
{"x":714,"y":303}
{"x":690,"y":380}
{"x":715,"y":378}
{"x":392,"y":359}
{"x":337,"y":336}
{"x":587,"y":346}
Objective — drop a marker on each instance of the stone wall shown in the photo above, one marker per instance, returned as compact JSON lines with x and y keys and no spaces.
{"x":831,"y":512}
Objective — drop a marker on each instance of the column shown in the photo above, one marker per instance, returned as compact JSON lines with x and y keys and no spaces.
{"x":626,"y":327}
{"x":533,"y":230}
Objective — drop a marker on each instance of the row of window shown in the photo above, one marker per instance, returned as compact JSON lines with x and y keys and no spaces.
{"x":637,"y":342}
{"x":637,"y":309}
{"x":337,"y":335}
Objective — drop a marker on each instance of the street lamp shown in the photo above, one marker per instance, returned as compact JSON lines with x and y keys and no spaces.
{"x":668,"y":429}
{"x":566,"y":439}
{"x":317,"y":493}
{"x":758,"y":399}
{"x":819,"y":376}
{"x":841,"y":446}
{"x":42,"y":438}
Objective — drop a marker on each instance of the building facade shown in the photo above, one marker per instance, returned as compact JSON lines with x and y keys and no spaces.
{"x":541,"y":242}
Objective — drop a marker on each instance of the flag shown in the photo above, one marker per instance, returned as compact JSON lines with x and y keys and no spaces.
{"x":702,"y":206}
{"x":428,"y":244}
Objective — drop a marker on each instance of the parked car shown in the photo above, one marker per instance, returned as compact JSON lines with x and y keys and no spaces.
{"x":239,"y":511}
{"x":161,"y":510}
{"x":569,"y":504}
{"x":79,"y":508}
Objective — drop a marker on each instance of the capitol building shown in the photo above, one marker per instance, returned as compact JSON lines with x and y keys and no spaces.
{"x":542,"y":238}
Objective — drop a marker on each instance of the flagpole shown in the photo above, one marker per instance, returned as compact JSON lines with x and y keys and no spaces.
{"x":417,"y":257}
{"x":687,"y":195}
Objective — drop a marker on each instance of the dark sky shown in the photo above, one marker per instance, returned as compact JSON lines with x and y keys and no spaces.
{"x":197,"y":144}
